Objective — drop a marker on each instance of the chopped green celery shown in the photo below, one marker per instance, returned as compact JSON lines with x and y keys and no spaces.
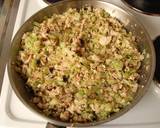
{"x":29,"y":72}
{"x":107,"y":107}
{"x":129,"y":98}
{"x":32,"y":43}
{"x":127,"y":74}
{"x":117,"y":64}
{"x":96,"y":89}
{"x":62,"y":45}
{"x":110,"y":79}
{"x":103,"y":13}
{"x":80,"y":94}
{"x":45,"y":70}
{"x":93,"y":18}
{"x":87,"y":115}
{"x":36,"y":24}
{"x":37,"y":82}
{"x":60,"y":83}
{"x":129,"y":56}
{"x":77,"y":16}
{"x":103,"y":115}
{"x":34,"y":83}
{"x":117,"y":98}
{"x":54,"y":101}
{"x":120,"y":100}
{"x":32,"y":64}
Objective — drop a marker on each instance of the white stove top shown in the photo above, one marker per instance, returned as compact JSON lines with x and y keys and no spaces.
{"x":13,"y":114}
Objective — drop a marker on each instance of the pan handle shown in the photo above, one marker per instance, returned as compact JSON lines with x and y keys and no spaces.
{"x":156,"y":44}
{"x":49,"y":125}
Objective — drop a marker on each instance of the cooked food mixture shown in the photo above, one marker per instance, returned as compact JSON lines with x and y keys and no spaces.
{"x":81,"y":65}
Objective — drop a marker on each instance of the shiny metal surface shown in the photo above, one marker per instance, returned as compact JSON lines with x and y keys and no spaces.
{"x":131,"y":24}
{"x":8,"y":12}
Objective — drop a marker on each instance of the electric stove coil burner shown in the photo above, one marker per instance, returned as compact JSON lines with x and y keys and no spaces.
{"x":157,"y":50}
{"x":51,"y":1}
{"x":150,"y":7}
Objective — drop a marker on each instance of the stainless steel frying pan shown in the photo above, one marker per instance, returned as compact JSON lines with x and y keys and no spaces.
{"x":131,"y":24}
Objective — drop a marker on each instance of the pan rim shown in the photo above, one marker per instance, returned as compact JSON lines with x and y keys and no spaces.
{"x":127,"y":108}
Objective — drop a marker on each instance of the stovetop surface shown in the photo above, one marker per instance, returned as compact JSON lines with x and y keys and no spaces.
{"x":145,"y":6}
{"x":146,"y":114}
